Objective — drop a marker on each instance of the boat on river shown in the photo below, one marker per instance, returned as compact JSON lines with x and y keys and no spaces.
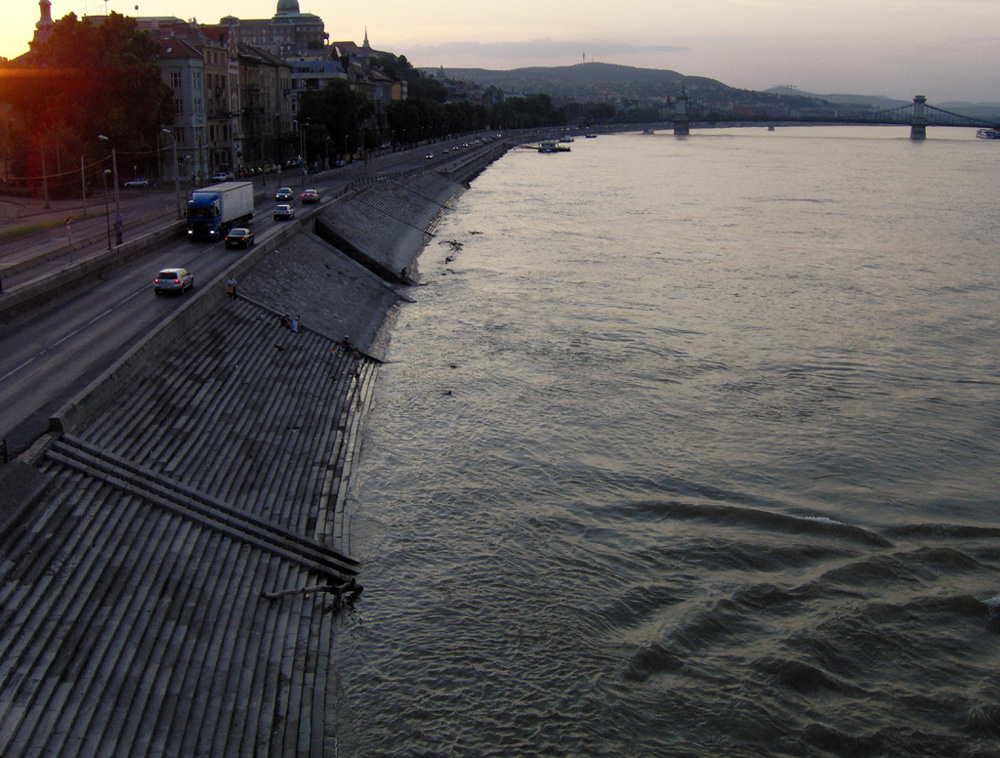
{"x":551,"y":146}
{"x":993,"y":133}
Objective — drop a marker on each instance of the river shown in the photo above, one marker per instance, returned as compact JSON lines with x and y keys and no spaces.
{"x":690,"y":447}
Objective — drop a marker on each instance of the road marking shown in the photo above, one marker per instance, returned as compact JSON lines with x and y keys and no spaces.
{"x":72,"y":334}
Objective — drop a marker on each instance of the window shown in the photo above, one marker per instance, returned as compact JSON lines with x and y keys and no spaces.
{"x":178,"y":107}
{"x":175,"y":79}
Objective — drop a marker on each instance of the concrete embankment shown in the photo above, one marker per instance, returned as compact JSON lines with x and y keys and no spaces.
{"x":172,"y":584}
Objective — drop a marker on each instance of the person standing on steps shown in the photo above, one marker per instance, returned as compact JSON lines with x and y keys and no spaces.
{"x":231,"y":287}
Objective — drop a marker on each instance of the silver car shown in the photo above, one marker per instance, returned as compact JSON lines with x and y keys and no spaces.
{"x":284,"y":213}
{"x":173,"y":280}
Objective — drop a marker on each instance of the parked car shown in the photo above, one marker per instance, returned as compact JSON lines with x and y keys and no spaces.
{"x":284,"y":213}
{"x":239,"y":237}
{"x":310,"y":196}
{"x":137,"y":183}
{"x":173,"y":280}
{"x":283,"y":194}
{"x":222,"y":177}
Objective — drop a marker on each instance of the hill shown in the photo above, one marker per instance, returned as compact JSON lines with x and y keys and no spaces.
{"x":639,"y":87}
{"x":584,"y":81}
{"x":973,"y":110}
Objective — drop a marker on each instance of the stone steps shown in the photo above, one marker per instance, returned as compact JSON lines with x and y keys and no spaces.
{"x":132,"y":608}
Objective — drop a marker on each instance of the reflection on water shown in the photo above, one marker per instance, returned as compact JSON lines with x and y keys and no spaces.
{"x":689,"y":447}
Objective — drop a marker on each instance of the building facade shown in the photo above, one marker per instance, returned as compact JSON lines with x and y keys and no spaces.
{"x":233,"y":103}
{"x":288,"y":34}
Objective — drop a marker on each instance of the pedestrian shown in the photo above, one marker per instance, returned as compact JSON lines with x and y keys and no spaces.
{"x":346,"y":344}
{"x":295,"y":323}
{"x":286,"y":320}
{"x":231,"y":287}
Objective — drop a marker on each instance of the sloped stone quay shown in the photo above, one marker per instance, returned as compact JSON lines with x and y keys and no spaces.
{"x":177,"y":552}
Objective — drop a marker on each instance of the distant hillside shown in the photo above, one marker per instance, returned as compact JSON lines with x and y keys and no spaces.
{"x":611,"y":83}
{"x":874,"y":101}
{"x":984,"y":111}
{"x":583,"y":81}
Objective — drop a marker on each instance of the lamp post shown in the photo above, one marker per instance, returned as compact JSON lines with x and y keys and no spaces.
{"x":107,"y":211}
{"x":177,"y":180}
{"x":114,"y":179}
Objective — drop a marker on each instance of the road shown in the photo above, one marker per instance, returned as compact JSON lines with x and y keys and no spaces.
{"x":47,"y":357}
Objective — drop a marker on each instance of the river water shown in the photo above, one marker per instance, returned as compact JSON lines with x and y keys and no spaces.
{"x":690,"y":447}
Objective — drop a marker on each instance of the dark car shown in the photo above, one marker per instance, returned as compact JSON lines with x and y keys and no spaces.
{"x":310,"y":196}
{"x":239,"y":237}
{"x":173,"y":280}
{"x":283,"y":194}
{"x":284,"y":213}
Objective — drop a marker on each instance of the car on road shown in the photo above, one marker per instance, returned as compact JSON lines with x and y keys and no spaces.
{"x":239,"y":236}
{"x":310,"y":196}
{"x":173,"y":280}
{"x":429,"y":156}
{"x":136,"y":183}
{"x":283,"y":194}
{"x":284,"y":212}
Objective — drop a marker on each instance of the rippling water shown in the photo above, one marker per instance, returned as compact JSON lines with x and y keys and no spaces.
{"x":690,"y":448}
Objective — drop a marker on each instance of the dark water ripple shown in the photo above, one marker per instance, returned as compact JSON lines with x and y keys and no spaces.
{"x":702,"y":465}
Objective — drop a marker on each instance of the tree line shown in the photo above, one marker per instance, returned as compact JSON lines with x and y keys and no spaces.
{"x":83,"y":82}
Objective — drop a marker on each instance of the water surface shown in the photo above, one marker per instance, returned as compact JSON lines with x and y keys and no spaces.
{"x":689,"y":447}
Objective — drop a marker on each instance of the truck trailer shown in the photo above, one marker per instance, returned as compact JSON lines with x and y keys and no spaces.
{"x":214,"y":210}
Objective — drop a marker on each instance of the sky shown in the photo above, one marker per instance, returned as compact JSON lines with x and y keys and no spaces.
{"x":948,"y":50}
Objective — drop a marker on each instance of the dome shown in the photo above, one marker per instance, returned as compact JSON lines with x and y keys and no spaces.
{"x":288,"y":6}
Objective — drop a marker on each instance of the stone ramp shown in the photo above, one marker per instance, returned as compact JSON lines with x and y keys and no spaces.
{"x":167,"y":648}
{"x":332,"y":294}
{"x":132,"y":615}
{"x":384,"y":226}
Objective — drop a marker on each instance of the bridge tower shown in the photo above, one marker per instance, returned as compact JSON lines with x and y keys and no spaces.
{"x":682,"y":122}
{"x":918,"y":126}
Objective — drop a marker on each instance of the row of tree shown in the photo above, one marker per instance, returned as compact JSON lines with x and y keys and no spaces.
{"x":340,"y":121}
{"x":83,"y":82}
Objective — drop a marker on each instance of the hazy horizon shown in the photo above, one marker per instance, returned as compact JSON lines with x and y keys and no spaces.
{"x":947,"y":50}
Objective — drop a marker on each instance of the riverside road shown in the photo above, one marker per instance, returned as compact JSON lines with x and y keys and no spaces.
{"x":50,"y":355}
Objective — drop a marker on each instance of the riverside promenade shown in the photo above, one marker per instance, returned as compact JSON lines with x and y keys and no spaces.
{"x":176,"y":552}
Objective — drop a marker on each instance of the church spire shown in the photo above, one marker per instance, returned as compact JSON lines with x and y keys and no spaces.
{"x":45,"y":6}
{"x":366,"y":45}
{"x":44,"y":26}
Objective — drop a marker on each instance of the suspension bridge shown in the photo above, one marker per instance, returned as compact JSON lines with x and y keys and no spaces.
{"x":917,"y":115}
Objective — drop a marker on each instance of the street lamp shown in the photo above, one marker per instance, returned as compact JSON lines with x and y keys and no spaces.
{"x":114,"y":178}
{"x":107,"y":211}
{"x":177,"y":180}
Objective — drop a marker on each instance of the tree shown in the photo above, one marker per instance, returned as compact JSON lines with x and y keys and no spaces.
{"x":88,"y":79}
{"x":338,"y":109}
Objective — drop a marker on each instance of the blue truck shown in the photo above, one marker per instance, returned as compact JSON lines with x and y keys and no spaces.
{"x":213,"y":211}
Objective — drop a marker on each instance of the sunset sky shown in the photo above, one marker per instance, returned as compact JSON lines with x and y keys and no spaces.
{"x":947,"y":50}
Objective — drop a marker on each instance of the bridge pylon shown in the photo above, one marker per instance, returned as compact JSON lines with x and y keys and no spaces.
{"x":918,"y":125}
{"x":682,"y":122}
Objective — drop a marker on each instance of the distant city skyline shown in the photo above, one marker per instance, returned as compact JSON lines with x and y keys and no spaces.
{"x":947,"y":50}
